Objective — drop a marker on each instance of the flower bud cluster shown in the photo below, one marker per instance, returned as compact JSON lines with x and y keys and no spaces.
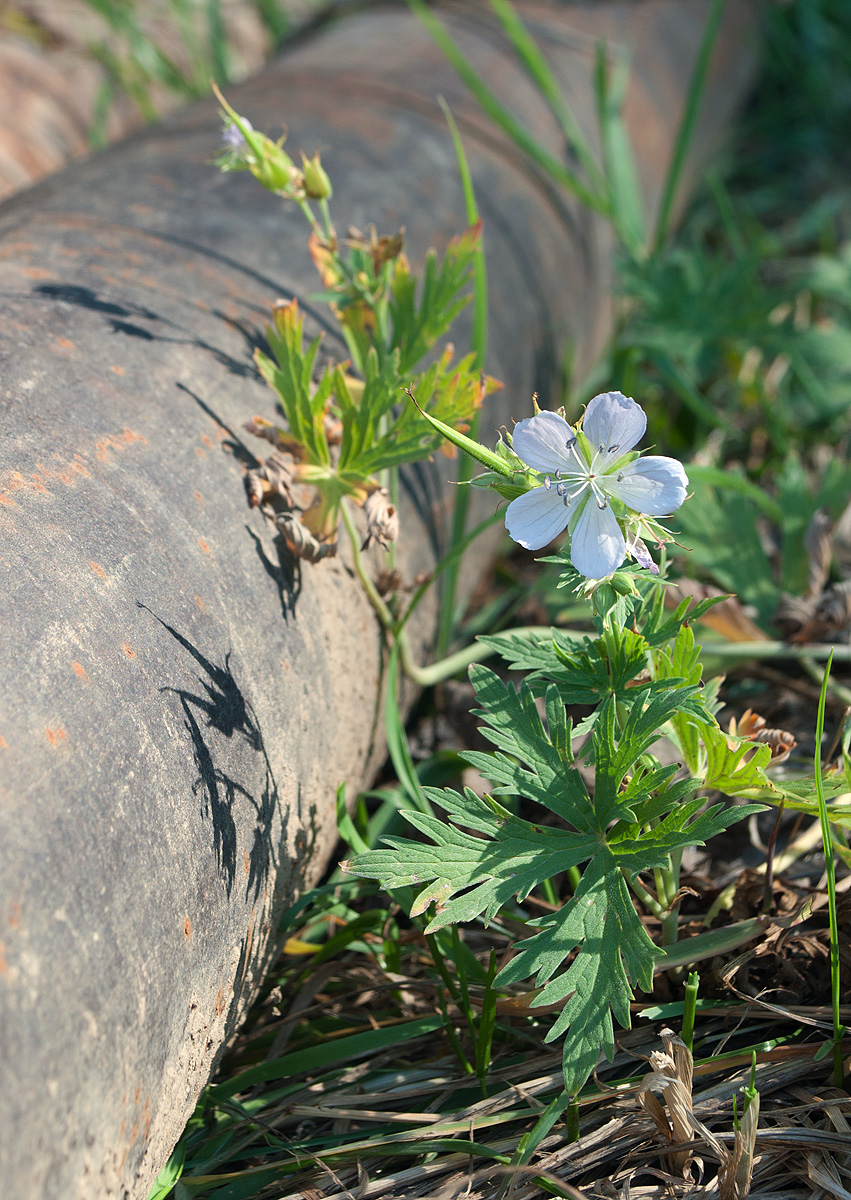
{"x":245,"y":149}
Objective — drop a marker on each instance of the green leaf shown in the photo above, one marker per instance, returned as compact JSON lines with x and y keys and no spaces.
{"x":737,"y":769}
{"x":416,"y":329}
{"x":614,"y":950}
{"x":638,"y":817}
{"x":482,"y":873}
{"x":683,"y":662}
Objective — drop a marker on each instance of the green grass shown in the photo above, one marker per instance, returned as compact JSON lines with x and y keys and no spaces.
{"x":138,"y":65}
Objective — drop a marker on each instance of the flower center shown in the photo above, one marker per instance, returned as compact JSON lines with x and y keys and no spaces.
{"x":572,"y":482}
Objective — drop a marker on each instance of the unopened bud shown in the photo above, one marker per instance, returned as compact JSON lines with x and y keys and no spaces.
{"x":317,"y":185}
{"x":624,"y":584}
{"x":274,"y":168}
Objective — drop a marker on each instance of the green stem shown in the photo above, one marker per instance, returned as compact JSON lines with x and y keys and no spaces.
{"x":445,"y":668}
{"x":423,"y":677}
{"x":827,"y":840}
{"x":767,"y":649}
{"x":689,"y":1008}
{"x":383,"y":612}
{"x":330,"y":233}
{"x":309,"y":217}
{"x":647,"y":898}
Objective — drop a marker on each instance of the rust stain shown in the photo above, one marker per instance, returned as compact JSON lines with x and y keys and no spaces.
{"x":199,"y":496}
{"x":247,"y":863}
{"x":4,"y":966}
{"x":162,"y":181}
{"x":36,"y":273}
{"x":127,"y":650}
{"x":207,"y":440}
{"x":15,"y":249}
{"x":98,"y":570}
{"x":127,"y":437}
{"x":146,"y":1118}
{"x":79,"y":669}
{"x":64,"y":471}
{"x":201,"y":604}
{"x":201,"y":453}
{"x":138,"y":1093}
{"x":15,"y":914}
{"x":65,"y":343}
{"x":187,"y":928}
{"x":204,"y":545}
{"x":134,"y":258}
{"x":219,"y":1006}
{"x":55,"y":736}
{"x":203,"y":307}
{"x":4,"y":745}
{"x":117,"y":370}
{"x":144,"y":210}
{"x":69,"y":252}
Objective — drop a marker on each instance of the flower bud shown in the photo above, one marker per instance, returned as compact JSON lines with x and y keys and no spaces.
{"x":317,"y":185}
{"x":623,"y":584}
{"x":273,"y":167}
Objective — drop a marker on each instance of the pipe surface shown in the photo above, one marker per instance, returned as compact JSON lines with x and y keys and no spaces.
{"x":180,"y":700}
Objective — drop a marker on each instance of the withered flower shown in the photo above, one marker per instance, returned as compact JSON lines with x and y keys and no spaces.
{"x":382,"y":519}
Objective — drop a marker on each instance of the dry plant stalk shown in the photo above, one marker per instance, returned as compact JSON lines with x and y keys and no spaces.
{"x":672,"y":1076}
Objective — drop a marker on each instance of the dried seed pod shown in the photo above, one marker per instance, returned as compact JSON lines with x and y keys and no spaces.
{"x":387,"y":582}
{"x":301,"y":542}
{"x":274,"y":477}
{"x":834,"y":607}
{"x":752,"y":728}
{"x":382,"y":519}
{"x":818,"y":543}
{"x":792,"y":615}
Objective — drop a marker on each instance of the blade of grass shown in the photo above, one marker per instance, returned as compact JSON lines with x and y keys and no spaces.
{"x":446,"y":625}
{"x":830,"y":871}
{"x":501,"y":116}
{"x":397,"y":738}
{"x":737,"y":483}
{"x":486,"y":1026}
{"x":679,"y":380}
{"x":529,"y":54}
{"x":451,"y":556}
{"x":336,"y":1050}
{"x":626,"y":202}
{"x":688,"y":124}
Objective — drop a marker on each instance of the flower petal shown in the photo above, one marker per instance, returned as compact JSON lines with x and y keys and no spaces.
{"x":655,"y":485}
{"x":542,"y":441}
{"x":614,"y":422}
{"x":597,"y":546}
{"x":536,"y":517}
{"x":636,"y":549}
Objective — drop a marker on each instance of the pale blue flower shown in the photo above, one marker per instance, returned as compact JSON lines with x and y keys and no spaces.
{"x":233,"y":137}
{"x":583,"y":475}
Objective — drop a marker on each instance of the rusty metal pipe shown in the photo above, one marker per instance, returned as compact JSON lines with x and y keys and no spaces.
{"x":179,"y":699}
